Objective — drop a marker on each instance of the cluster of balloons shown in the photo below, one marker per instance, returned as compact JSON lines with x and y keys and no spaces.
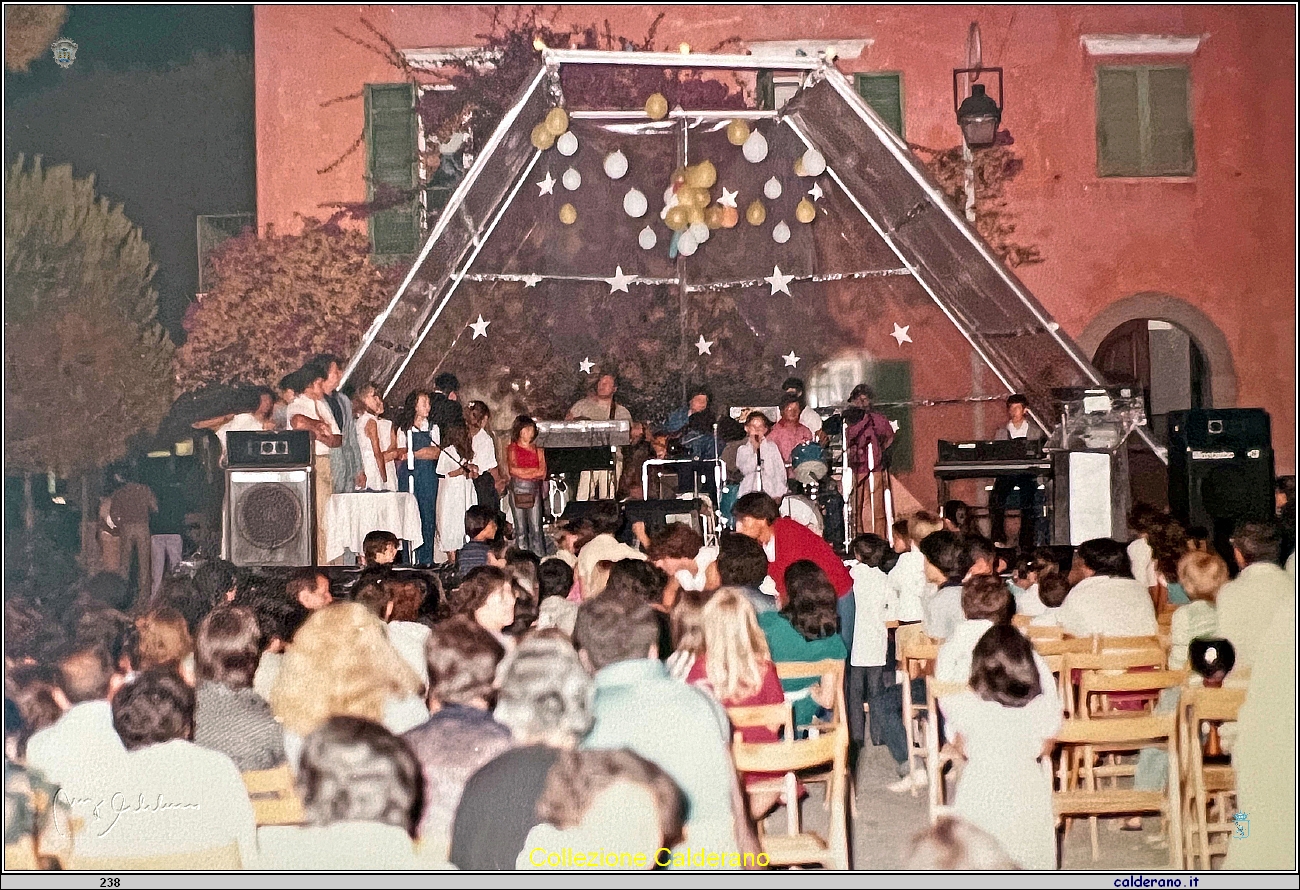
{"x":689,"y":209}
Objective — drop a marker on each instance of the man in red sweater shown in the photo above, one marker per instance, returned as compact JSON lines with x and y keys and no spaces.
{"x":786,"y":542}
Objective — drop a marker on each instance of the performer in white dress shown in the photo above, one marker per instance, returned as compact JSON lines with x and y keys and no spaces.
{"x":375,"y":439}
{"x":455,"y":488}
{"x":1004,"y":725}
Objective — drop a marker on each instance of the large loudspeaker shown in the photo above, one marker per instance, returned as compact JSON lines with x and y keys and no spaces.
{"x":269,"y":517}
{"x":268,"y":449}
{"x":1220,"y":468}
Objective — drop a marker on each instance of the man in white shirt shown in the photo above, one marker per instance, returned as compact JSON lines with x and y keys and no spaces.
{"x":1105,"y":599}
{"x":1246,"y":605}
{"x":309,"y":412}
{"x":607,"y":519}
{"x":600,"y":405}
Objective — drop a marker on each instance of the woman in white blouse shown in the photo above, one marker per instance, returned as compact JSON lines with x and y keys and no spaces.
{"x":759,"y":460}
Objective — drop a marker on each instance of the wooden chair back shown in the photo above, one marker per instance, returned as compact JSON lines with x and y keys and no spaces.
{"x":939,"y":755}
{"x":1043,"y":633}
{"x":800,"y":670}
{"x":1077,"y":662}
{"x":1116,"y":644}
{"x":1206,"y":828}
{"x":1021,"y":621}
{"x":1095,"y":688}
{"x":777,"y":717}
{"x":1061,"y":645}
{"x":274,"y":798}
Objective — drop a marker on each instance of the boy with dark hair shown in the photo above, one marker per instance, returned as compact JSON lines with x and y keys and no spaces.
{"x":554,"y":581}
{"x":870,"y":666}
{"x":379,"y":548}
{"x":481,"y":527}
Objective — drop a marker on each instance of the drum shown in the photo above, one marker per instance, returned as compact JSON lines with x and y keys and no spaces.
{"x":809,"y":463}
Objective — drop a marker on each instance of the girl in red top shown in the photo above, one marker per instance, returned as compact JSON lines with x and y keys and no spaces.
{"x":526,"y":463}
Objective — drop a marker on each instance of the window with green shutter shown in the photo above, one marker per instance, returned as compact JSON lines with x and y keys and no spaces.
{"x":391,"y":164}
{"x":883,"y":91}
{"x":1144,"y":121}
{"x":892,"y":382}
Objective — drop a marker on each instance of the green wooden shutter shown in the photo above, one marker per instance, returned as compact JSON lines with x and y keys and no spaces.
{"x":391,"y":161}
{"x":892,"y":381}
{"x":884,"y":93}
{"x":1170,"y":126}
{"x":1119,"y":143}
{"x":766,"y":90}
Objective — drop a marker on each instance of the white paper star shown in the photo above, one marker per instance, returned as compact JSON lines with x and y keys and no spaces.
{"x":900,"y":333}
{"x":780,"y":283}
{"x":531,"y":280}
{"x":893,"y":425}
{"x":791,"y":360}
{"x":816,"y":192}
{"x":704,"y":346}
{"x":728,"y":198}
{"x":547,"y":185}
{"x":480,"y":328}
{"x":619,"y":281}
{"x":586,"y":365}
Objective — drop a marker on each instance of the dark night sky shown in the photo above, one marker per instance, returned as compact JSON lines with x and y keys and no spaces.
{"x":166,"y":132}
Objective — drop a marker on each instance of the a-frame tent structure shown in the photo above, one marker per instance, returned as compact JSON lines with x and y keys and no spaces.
{"x":891,"y":219}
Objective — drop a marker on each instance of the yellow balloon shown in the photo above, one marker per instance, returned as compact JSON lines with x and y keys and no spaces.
{"x":798,"y":167}
{"x":805,"y":212}
{"x":755,"y":213}
{"x":542,"y":138}
{"x":677,"y":219}
{"x":694,"y":215}
{"x":693,"y":196}
{"x":737,"y":132}
{"x":656,"y":106}
{"x":557,"y":121}
{"x":568,"y":214}
{"x":708,"y":174}
{"x":714,"y":217}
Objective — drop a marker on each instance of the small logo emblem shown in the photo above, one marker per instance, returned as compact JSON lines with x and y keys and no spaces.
{"x":65,"y":52}
{"x":1241,"y":826}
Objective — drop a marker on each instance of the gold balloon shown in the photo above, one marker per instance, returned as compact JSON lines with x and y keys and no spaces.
{"x":568,"y":214}
{"x":542,"y":138}
{"x":677,"y":218}
{"x":730,"y":217}
{"x":805,"y":212}
{"x":694,"y":215}
{"x":707,"y":174}
{"x":714,"y":216}
{"x":755,"y":213}
{"x":798,"y":167}
{"x":737,"y":132}
{"x":679,"y":176}
{"x":557,"y":121}
{"x":695,"y":176}
{"x":656,"y":106}
{"x":693,"y":196}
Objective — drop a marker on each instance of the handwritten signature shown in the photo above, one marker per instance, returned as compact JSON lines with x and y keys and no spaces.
{"x":119,"y":804}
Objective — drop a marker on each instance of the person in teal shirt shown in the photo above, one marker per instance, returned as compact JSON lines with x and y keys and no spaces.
{"x":805,"y":629}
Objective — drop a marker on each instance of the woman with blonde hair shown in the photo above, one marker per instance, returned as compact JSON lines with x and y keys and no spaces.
{"x":340,"y":664}
{"x":163,"y":637}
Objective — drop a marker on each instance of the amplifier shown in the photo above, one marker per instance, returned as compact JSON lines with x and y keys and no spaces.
{"x":268,"y":450}
{"x":997,"y":450}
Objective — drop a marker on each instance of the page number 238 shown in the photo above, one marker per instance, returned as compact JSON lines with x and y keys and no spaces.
{"x":110,"y":882}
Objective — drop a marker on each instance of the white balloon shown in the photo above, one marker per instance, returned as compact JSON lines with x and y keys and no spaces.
{"x":699,"y":231}
{"x":772,"y":188}
{"x":616,"y":165}
{"x":755,"y":147}
{"x":781,"y":232}
{"x":647,"y":239}
{"x":571,"y":179}
{"x":686,"y":243}
{"x":813,"y":162}
{"x":567,"y":143}
{"x":670,"y":196}
{"x":634,"y":204}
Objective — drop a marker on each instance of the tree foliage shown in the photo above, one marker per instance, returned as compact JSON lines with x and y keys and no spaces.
{"x":87,"y":365}
{"x":279,"y":299}
{"x":29,"y":31}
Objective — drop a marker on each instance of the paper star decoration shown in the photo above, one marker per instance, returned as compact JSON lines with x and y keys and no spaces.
{"x":900,"y":333}
{"x":791,"y":360}
{"x":480,"y":328}
{"x":780,"y":283}
{"x":728,"y":198}
{"x":619,"y":281}
{"x":532,"y":280}
{"x":704,"y":346}
{"x":586,"y":365}
{"x":816,"y":192}
{"x":893,"y":425}
{"x":547,"y":185}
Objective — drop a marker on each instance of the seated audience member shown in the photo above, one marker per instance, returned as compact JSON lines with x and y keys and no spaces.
{"x":742,"y":563}
{"x":487,"y":595}
{"x":481,"y":528}
{"x":209,"y":805}
{"x":636,"y":700}
{"x":34,"y":691}
{"x":361,"y":792}
{"x":1168,"y":541}
{"x":396,"y":601}
{"x":1246,"y":605}
{"x":181,"y":593}
{"x":956,"y":515}
{"x":554,"y":581}
{"x":379,"y":549}
{"x":1105,"y":599}
{"x":229,"y":716}
{"x":869,"y":669}
{"x":1143,"y":519}
{"x":162,"y":638}
{"x":637,"y":577}
{"x":460,"y":734}
{"x":908,"y":574}
{"x":38,"y":827}
{"x":570,"y":538}
{"x":216,"y":582}
{"x":679,"y":550}
{"x":981,"y":555}
{"x":1052,"y":591}
{"x":1027,"y":575}
{"x":953,"y":844}
{"x":545,"y":699}
{"x":310,"y":587}
{"x":946,"y":566}
{"x":278,"y":619}
{"x":805,"y":630}
{"x":899,"y":539}
{"x":687,"y":625}
{"x":1004,"y":724}
{"x":606,"y":520}
{"x":340,"y":664}
{"x":609,"y":801}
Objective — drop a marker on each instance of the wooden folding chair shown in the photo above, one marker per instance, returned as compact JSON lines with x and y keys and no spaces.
{"x":275,"y":800}
{"x":1209,"y":790}
{"x":797,"y":670}
{"x":1132,"y":733}
{"x":916,"y":657}
{"x":1021,"y":622}
{"x":1115,"y":661}
{"x":1037,"y":634}
{"x":939,"y":754}
{"x":796,"y":846}
{"x":1116,"y":644}
{"x":1096,"y":687}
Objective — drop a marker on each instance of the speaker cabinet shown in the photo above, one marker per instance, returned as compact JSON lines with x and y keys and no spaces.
{"x":268,"y":520}
{"x":268,"y":449}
